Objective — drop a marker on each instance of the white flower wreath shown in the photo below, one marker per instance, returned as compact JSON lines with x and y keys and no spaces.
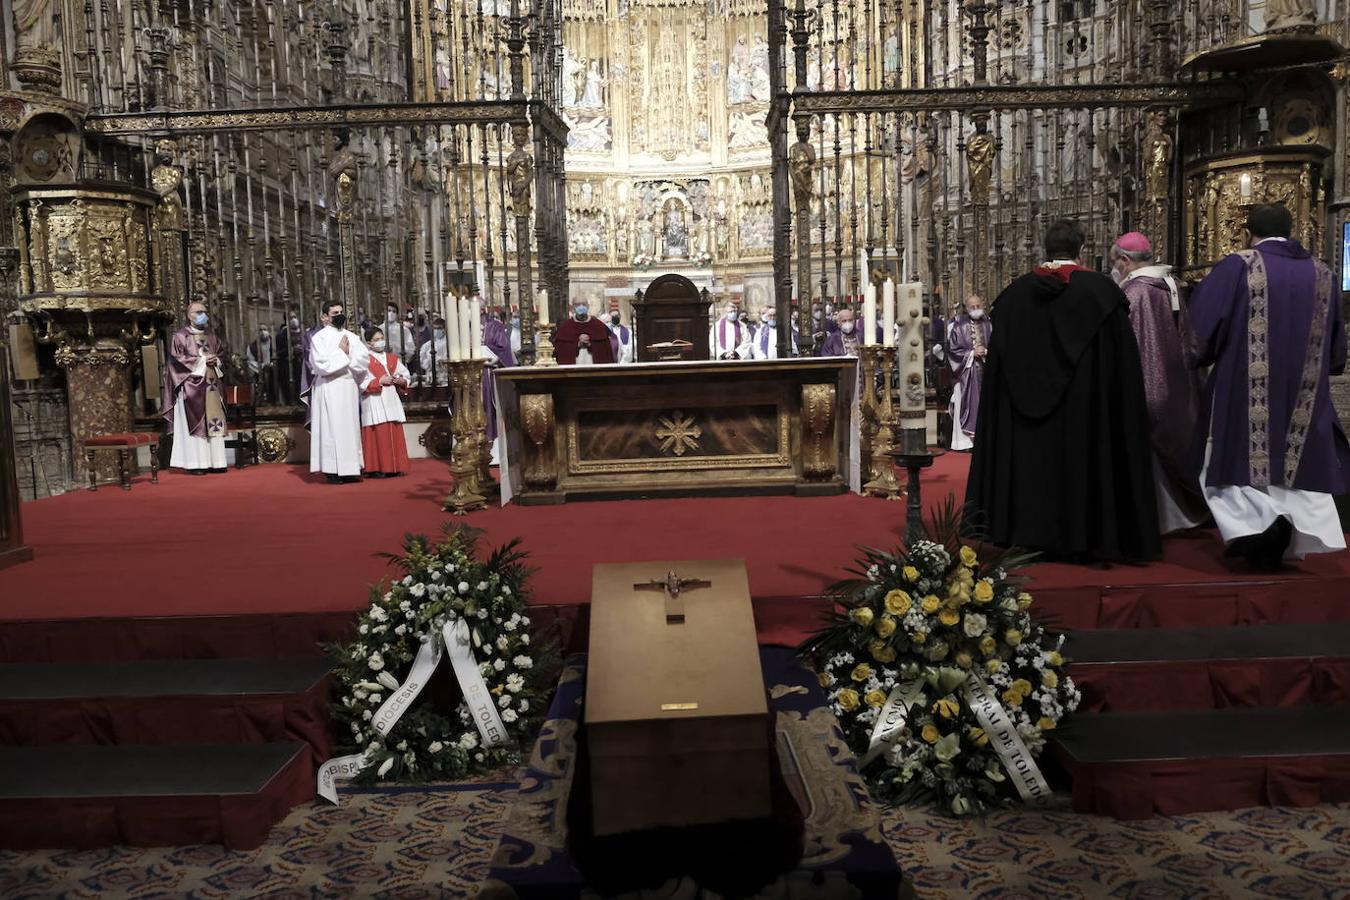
{"x":443,"y":585}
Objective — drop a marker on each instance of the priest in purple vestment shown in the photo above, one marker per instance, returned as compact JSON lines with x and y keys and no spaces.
{"x":845,"y":341}
{"x":1272,"y":453}
{"x":497,"y":338}
{"x":1171,"y":385}
{"x":967,"y":349}
{"x":193,"y":404}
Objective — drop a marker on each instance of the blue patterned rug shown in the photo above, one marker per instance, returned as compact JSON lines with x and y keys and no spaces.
{"x":436,"y":842}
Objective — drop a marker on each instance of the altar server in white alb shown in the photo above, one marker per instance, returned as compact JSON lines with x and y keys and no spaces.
{"x":382,"y":416}
{"x":728,"y":334}
{"x":340,"y":362}
{"x":192,"y":402}
{"x":763,"y":344}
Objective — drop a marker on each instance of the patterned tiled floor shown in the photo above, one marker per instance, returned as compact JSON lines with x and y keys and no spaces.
{"x":436,"y":843}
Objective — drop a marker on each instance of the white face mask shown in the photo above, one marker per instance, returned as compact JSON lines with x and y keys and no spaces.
{"x":377,"y":346}
{"x":846,"y":327}
{"x":976,"y":313}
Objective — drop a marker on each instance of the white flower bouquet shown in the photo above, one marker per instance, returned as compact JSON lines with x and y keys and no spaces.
{"x":443,"y":584}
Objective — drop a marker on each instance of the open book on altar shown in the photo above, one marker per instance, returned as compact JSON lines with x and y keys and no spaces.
{"x":668,"y":350}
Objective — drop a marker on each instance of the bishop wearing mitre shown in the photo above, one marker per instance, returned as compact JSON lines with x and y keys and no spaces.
{"x":582,"y":340}
{"x":340,"y":361}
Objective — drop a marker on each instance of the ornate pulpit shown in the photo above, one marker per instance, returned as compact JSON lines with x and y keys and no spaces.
{"x":671,"y":309}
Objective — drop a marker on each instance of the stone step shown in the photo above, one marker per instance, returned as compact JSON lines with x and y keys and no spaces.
{"x":94,"y":796}
{"x":1137,"y":764}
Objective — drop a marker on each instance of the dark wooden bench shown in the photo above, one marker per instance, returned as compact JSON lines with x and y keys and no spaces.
{"x":122,"y":444}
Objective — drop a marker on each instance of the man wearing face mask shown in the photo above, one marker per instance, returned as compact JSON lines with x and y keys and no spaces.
{"x":620,"y":339}
{"x":193,"y":404}
{"x":260,"y":364}
{"x":764,"y":343}
{"x":397,"y":335}
{"x":433,"y":354}
{"x":290,"y":357}
{"x":845,"y":341}
{"x":340,"y":361}
{"x":1171,"y":386}
{"x":967,"y":348}
{"x":728,"y":333}
{"x":582,"y":340}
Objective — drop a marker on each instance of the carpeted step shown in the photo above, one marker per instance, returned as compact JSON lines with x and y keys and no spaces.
{"x":95,"y":796}
{"x":1157,"y":669}
{"x":167,"y":702}
{"x":1134,"y":765}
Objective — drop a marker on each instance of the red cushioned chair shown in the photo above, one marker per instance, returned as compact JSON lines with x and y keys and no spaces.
{"x":121,"y":443}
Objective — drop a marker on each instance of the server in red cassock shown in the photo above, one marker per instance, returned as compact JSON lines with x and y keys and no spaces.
{"x":1064,"y":464}
{"x":582,"y":340}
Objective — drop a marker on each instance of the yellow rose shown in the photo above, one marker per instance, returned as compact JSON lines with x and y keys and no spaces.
{"x":847,"y":699}
{"x":965,"y":577}
{"x":963,"y":660}
{"x":862,"y":615}
{"x":1021,"y":685}
{"x":946,"y":708}
{"x":1054,"y":659}
{"x":1045,"y":723}
{"x":885,"y":626}
{"x":910,"y":573}
{"x":875,"y":698}
{"x":919,"y":637}
{"x":1049,"y":679}
{"x":1023,"y":600}
{"x":825,"y":679}
{"x":898,"y":603}
{"x":984,"y":592}
{"x":977,"y":736}
{"x":1013,"y":637}
{"x":882,"y":652}
{"x":861,"y":672}
{"x":931,"y":604}
{"x":931,"y":734}
{"x":1012,"y":697}
{"x":949,"y":617}
{"x":968,"y":557}
{"x":988,"y":645}
{"x":993,"y":666}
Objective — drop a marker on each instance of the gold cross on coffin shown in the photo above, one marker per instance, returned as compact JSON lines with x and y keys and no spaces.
{"x":672,"y":585}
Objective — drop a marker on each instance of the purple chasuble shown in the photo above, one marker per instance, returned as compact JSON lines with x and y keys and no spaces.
{"x":1282,"y":379}
{"x":963,"y":337}
{"x":184,"y":352}
{"x":497,"y":338}
{"x":839,"y":344}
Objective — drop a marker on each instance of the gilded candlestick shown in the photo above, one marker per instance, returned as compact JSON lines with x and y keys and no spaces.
{"x":544,"y":347}
{"x":884,"y":482}
{"x":464,"y":497}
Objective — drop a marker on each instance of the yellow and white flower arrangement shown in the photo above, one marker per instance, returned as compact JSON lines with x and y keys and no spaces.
{"x":930,"y":648}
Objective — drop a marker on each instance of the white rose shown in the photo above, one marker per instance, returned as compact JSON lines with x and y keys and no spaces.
{"x":435,"y":747}
{"x":523,"y":662}
{"x":365,"y":715}
{"x":364,"y":629}
{"x":514,"y":683}
{"x":417,"y":590}
{"x":498,"y":664}
{"x":975,"y":624}
{"x":375,"y":699}
{"x":524,"y":638}
{"x":504,"y":700}
{"x":468,"y":741}
{"x":502,"y":643}
{"x":376,"y":661}
{"x":509,"y":716}
{"x":463,"y":587}
{"x":482,"y":585}
{"x":401,"y":630}
{"x":524,"y":705}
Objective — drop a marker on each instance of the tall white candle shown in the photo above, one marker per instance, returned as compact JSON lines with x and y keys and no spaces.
{"x":451,"y":328}
{"x":476,"y":323}
{"x":543,"y":308}
{"x":466,"y":351}
{"x":869,"y":323}
{"x":888,"y":313}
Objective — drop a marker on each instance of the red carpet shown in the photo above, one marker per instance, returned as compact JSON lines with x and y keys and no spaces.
{"x":273,"y":540}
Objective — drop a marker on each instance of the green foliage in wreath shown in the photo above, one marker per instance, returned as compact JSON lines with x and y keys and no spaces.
{"x":442,"y":583}
{"x":926,"y":618}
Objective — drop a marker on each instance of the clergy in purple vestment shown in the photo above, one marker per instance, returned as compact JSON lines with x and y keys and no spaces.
{"x":193,"y":404}
{"x":967,"y":347}
{"x":497,"y":338}
{"x":845,"y":341}
{"x":1272,"y":453}
{"x":307,"y":370}
{"x":1171,"y":385}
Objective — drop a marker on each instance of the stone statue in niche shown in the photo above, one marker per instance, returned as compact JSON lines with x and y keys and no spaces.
{"x":674,"y":231}
{"x":1281,"y":14}
{"x":646,"y":238}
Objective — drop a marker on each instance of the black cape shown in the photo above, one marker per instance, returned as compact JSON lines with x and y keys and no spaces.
{"x":1062,"y":460}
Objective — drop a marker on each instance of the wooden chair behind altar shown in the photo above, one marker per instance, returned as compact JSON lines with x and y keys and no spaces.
{"x":671,"y":309}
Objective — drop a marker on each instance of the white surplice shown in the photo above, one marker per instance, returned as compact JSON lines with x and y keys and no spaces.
{"x":387,"y":405}
{"x":335,"y":403}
